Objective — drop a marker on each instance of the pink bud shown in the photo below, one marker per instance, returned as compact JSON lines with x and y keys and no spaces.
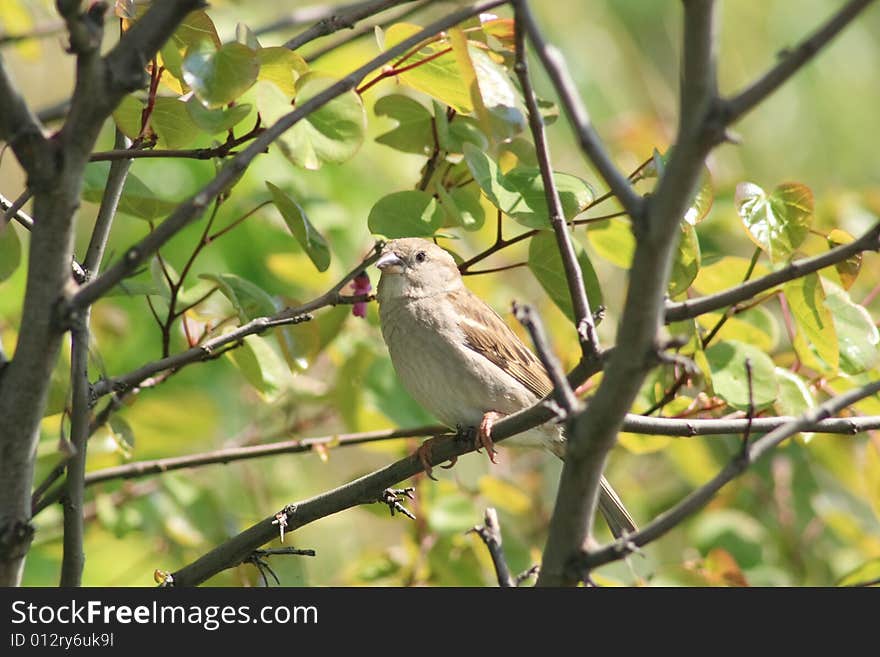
{"x":361,"y":285}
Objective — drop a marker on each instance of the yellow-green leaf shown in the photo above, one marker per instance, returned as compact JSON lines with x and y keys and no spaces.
{"x":806,"y":299}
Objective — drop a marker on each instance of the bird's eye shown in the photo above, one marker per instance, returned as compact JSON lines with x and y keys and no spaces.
{"x":421,"y":256}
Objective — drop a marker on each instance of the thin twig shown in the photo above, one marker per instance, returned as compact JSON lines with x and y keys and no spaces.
{"x":700,"y":497}
{"x":577,"y":114}
{"x":583,"y":317}
{"x":187,"y":211}
{"x":794,"y":59}
{"x":689,"y":308}
{"x":490,"y":533}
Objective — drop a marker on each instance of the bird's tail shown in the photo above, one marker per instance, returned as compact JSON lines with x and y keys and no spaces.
{"x":620,"y":522}
{"x":618,"y":518}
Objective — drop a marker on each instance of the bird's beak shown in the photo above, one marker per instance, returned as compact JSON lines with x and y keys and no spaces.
{"x":390,"y":262}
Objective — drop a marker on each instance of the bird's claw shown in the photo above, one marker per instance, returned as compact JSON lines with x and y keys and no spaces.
{"x":423,"y":453}
{"x":392,"y":497}
{"x":484,"y":435}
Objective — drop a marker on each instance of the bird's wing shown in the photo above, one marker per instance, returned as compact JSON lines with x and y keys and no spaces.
{"x":488,"y":335}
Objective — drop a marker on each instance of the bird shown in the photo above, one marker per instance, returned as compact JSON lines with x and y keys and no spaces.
{"x":460,"y":360}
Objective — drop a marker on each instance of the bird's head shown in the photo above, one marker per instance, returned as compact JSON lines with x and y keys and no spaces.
{"x":415,"y":268}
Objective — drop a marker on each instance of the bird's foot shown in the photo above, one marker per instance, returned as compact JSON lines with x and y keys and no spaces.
{"x":423,"y":453}
{"x":484,"y":434}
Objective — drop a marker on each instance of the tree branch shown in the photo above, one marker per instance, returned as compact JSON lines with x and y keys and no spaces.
{"x":593,"y":433}
{"x":190,"y":209}
{"x":577,"y":114}
{"x":589,"y":560}
{"x":583,"y":317}
{"x":208,"y":349}
{"x":338,"y":20}
{"x":13,"y":210}
{"x":749,"y":98}
{"x":689,"y":308}
{"x":20,"y":128}
{"x":490,"y":534}
{"x":226,"y":455}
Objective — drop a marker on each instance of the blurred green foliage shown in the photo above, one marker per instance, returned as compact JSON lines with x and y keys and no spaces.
{"x":808,"y":514}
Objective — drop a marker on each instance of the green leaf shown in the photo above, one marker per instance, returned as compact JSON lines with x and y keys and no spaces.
{"x":10,"y":251}
{"x":779,"y":222}
{"x":847,"y":270}
{"x":123,"y":434}
{"x":312,"y":242}
{"x":331,"y":134}
{"x":520,"y":193}
{"x":613,"y":241}
{"x":411,"y":213}
{"x":413,"y":131}
{"x":727,"y":361}
{"x":462,"y":206}
{"x":530,"y":206}
{"x":302,"y":343}
{"x":703,"y":197}
{"x":261,"y":366}
{"x":546,"y":264}
{"x":137,"y":199}
{"x":806,"y":299}
{"x":857,"y":334}
{"x":794,"y":395}
{"x":213,"y":121}
{"x":724,"y":273}
{"x":219,"y":77}
{"x":127,"y":116}
{"x":172,"y":123}
{"x":756,"y":326}
{"x":386,"y":393}
{"x":282,"y":67}
{"x":686,"y":264}
{"x":245,"y":36}
{"x":248,"y":299}
{"x":196,"y":28}
{"x":440,"y":77}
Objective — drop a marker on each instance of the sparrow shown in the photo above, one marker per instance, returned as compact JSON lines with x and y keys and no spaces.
{"x":460,"y":360}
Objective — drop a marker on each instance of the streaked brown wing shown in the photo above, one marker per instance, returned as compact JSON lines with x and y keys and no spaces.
{"x":488,"y":335}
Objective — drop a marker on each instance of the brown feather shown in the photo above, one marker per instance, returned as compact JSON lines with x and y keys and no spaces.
{"x":488,"y":335}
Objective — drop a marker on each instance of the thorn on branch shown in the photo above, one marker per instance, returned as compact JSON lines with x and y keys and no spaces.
{"x":526,"y":574}
{"x":258,"y":558}
{"x":281,"y":519}
{"x":392,"y":497}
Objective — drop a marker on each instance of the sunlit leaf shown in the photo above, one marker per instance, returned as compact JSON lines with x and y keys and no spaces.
{"x":261,"y":366}
{"x":213,"y":121}
{"x":220,"y":76}
{"x":432,"y":73}
{"x":613,"y":241}
{"x":794,"y":396}
{"x":806,"y":299}
{"x":172,"y":123}
{"x":756,"y":326}
{"x":411,"y":213}
{"x":520,"y":192}
{"x":137,"y":199}
{"x":196,"y":28}
{"x":847,"y":270}
{"x":462,"y":206}
{"x":127,"y":116}
{"x":546,"y":264}
{"x":245,"y":36}
{"x":729,"y":377}
{"x":122,"y":433}
{"x":686,"y":263}
{"x":282,"y":67}
{"x":249,"y":300}
{"x":777,"y":222}
{"x":857,"y":334}
{"x":724,"y":273}
{"x":331,"y":134}
{"x":413,"y":131}
{"x":312,"y":242}
{"x":452,"y":514}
